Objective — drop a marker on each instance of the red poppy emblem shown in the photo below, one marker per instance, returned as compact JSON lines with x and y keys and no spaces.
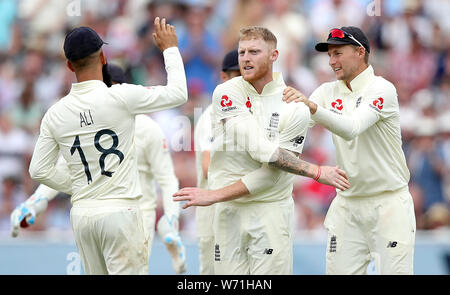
{"x":226,"y":102}
{"x":248,"y":104}
{"x":378,"y":103}
{"x":337,"y":104}
{"x":337,"y":34}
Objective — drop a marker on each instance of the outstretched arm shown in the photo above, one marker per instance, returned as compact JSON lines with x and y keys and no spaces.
{"x":282,"y":159}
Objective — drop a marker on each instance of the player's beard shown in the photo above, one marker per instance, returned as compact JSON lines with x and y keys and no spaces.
{"x":106,"y":76}
{"x":262,"y":70}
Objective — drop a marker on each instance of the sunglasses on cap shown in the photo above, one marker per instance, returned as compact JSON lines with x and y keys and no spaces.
{"x":340,"y":34}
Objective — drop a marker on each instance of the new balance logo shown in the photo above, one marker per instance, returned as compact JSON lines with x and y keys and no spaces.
{"x":333,"y":244}
{"x":392,"y":244}
{"x":268,"y":251}
{"x":358,"y":101}
{"x":216,"y":253}
{"x":297,"y":140}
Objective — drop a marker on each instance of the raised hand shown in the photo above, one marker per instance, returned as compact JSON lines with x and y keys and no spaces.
{"x":164,"y":35}
{"x":291,"y":94}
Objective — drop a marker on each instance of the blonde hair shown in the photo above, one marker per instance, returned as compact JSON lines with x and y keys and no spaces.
{"x":255,"y":32}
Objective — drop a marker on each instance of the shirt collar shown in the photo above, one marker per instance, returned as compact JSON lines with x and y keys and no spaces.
{"x":359,"y":82}
{"x":87,"y":85}
{"x":271,"y":87}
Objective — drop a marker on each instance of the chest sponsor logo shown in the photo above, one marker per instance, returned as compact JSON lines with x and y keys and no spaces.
{"x":227,"y":104}
{"x":337,"y":104}
{"x":226,"y":101}
{"x":378,"y":103}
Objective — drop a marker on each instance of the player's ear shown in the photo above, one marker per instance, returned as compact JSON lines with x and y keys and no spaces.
{"x":102,"y":58}
{"x":69,"y":65}
{"x":274,"y":55}
{"x":362,"y":51}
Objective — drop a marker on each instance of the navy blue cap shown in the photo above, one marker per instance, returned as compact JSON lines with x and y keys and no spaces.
{"x":351,"y":35}
{"x":117,"y":74}
{"x":81,"y":42}
{"x":230,"y":61}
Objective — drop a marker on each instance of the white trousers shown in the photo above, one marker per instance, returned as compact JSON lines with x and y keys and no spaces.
{"x":149,"y":220}
{"x":206,"y":255}
{"x":254,"y":238}
{"x":110,"y":237}
{"x":204,"y":219}
{"x":378,"y":227}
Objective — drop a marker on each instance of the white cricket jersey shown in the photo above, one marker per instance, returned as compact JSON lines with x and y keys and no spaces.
{"x":155,"y":164}
{"x":257,"y":124}
{"x":202,"y":143}
{"x":93,"y":127}
{"x":366,"y":132}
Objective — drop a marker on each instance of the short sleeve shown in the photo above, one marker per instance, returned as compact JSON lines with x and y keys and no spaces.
{"x":293,"y":135}
{"x":228,"y":101}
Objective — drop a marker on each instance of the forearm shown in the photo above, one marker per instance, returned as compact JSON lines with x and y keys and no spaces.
{"x":54,"y":179}
{"x":45,"y":169}
{"x":176,"y":76}
{"x":230,"y":192}
{"x":252,"y":183}
{"x":46,"y":192}
{"x":289,"y":162}
{"x":344,"y":126}
{"x":261,"y":179}
{"x":40,"y":198}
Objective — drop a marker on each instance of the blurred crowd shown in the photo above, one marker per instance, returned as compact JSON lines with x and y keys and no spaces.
{"x":410,"y":46}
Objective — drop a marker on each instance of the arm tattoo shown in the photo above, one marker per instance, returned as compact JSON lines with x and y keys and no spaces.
{"x":288,"y":162}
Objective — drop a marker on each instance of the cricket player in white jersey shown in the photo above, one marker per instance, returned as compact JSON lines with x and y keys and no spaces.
{"x":93,"y":127}
{"x":204,"y":216}
{"x":154,"y":163}
{"x":253,"y":222}
{"x":375,"y":217}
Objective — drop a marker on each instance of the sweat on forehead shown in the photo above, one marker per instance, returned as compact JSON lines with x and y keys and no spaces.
{"x":254,"y":32}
